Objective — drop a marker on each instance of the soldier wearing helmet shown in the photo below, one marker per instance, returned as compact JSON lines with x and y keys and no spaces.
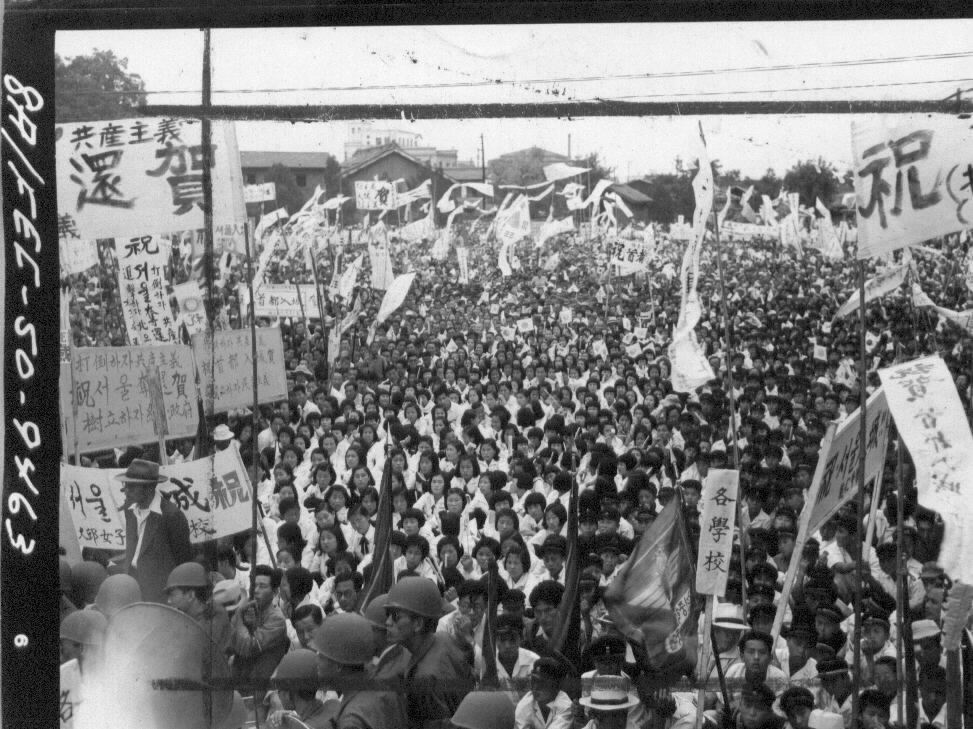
{"x":188,"y":590}
{"x":82,"y":633}
{"x":437,"y":675}
{"x":295,"y":679}
{"x":345,"y":643}
{"x":484,"y":710}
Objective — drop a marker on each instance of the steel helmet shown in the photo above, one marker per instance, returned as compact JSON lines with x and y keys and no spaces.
{"x":417,"y":595}
{"x":86,"y":577}
{"x":84,"y":626}
{"x":116,"y":592}
{"x":375,"y":611}
{"x":188,"y":574}
{"x":484,"y":710}
{"x":300,"y":664}
{"x":345,"y":639}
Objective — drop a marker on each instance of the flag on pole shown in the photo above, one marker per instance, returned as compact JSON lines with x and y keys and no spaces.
{"x":346,"y":284}
{"x":515,"y":224}
{"x":382,"y":575}
{"x":562,"y":171}
{"x":889,"y":280}
{"x":827,"y":237}
{"x":568,"y":632}
{"x":395,"y":295}
{"x":268,"y":221}
{"x":572,"y":195}
{"x":650,"y":599}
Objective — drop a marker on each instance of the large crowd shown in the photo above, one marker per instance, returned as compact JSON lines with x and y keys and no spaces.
{"x":480,"y":428}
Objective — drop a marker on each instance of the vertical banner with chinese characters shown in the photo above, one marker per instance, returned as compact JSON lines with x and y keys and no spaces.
{"x":142,"y":286}
{"x":214,"y":494}
{"x":839,"y":478}
{"x":225,"y":367}
{"x":929,"y":415}
{"x":120,"y":178}
{"x":192,"y":313}
{"x":716,"y":523}
{"x":112,"y":399}
{"x":913,"y":180}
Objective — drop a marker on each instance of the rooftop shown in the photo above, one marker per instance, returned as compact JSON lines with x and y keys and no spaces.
{"x":295,"y":160}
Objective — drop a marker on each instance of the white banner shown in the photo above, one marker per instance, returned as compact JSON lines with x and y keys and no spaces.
{"x":112,"y":398}
{"x":229,"y":363}
{"x":381,"y":261}
{"x":718,"y":519}
{"x":911,"y":180}
{"x":77,"y":255}
{"x":267,"y":192}
{"x":192,"y":312}
{"x":690,"y":368}
{"x":735,"y":230}
{"x":827,"y":237}
{"x":629,"y":255}
{"x":561,"y":171}
{"x":514,"y":222}
{"x":887,"y":281}
{"x":142,"y":281}
{"x":375,"y":195}
{"x":281,"y":301}
{"x":503,"y":260}
{"x":929,"y":415}
{"x":463,"y":261}
{"x":839,"y":477}
{"x":395,"y":295}
{"x":214,"y":494}
{"x":120,"y":178}
{"x":346,"y":284}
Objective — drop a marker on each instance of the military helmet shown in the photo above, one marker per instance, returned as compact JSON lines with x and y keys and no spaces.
{"x":84,"y":626}
{"x":346,"y":639}
{"x":188,"y":574}
{"x":484,"y":710}
{"x":417,"y":595}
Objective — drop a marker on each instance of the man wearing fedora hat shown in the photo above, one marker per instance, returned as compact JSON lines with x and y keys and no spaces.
{"x":610,"y":704}
{"x":156,"y":530}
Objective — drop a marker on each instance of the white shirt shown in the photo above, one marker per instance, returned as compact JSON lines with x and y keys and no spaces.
{"x":141,"y":515}
{"x":528,"y":714}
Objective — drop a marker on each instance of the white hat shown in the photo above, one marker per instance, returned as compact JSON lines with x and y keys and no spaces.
{"x":222,"y":432}
{"x":729,"y":616}
{"x":229,"y":594}
{"x":825,"y":720}
{"x":610,"y":693}
{"x":922,"y":629}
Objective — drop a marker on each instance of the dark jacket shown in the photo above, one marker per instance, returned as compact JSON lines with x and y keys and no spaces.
{"x":437,"y":678}
{"x":165,"y":544}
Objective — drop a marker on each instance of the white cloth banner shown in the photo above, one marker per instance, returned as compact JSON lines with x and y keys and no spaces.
{"x":282,"y":301}
{"x":562,"y":171}
{"x":375,"y":195}
{"x":381,"y":261}
{"x":463,"y":261}
{"x":911,"y":180}
{"x":596,"y":194}
{"x":503,"y":260}
{"x":268,"y":221}
{"x":962,"y":319}
{"x":515,"y":224}
{"x":346,"y":284}
{"x":395,"y":296}
{"x":883,"y":283}
{"x":77,"y":255}
{"x":120,"y":178}
{"x":690,"y":368}
{"x":839,"y":476}
{"x":553,"y":228}
{"x":929,"y":416}
{"x":192,"y":313}
{"x":718,"y":519}
{"x":214,"y":494}
{"x":827,"y":239}
{"x":572,"y":195}
{"x":142,"y":280}
{"x":267,"y":192}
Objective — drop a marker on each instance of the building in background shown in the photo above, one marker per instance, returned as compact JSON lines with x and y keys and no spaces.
{"x":309,"y":168}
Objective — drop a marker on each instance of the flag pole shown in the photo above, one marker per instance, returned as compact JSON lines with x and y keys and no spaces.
{"x":254,"y":421}
{"x":704,"y":650}
{"x":901,"y":575}
{"x":860,"y":500}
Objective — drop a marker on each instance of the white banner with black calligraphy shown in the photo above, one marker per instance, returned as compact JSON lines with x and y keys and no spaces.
{"x":716,"y":524}
{"x":913,"y":180}
{"x":929,"y":415}
{"x":142,"y":281}
{"x":120,"y":178}
{"x":225,"y":367}
{"x":214,"y":494}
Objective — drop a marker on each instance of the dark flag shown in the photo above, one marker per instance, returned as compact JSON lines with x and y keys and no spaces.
{"x":380,"y":581}
{"x":490,"y":627}
{"x":566,"y":639}
{"x":651,"y":598}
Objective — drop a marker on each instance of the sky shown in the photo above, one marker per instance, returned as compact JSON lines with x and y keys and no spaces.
{"x":817,"y":60}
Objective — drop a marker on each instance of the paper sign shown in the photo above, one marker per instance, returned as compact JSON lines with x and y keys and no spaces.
{"x":375,"y":195}
{"x":839,"y":479}
{"x":282,"y":301}
{"x":912,"y":180}
{"x":192,"y":313}
{"x":229,"y":363}
{"x":525,"y":325}
{"x":267,"y":192}
{"x":718,"y":519}
{"x":112,"y":398}
{"x":120,"y":178}
{"x":214,"y":494}
{"x":634,"y":351}
{"x":77,"y":255}
{"x":142,"y":276}
{"x":929,"y":415}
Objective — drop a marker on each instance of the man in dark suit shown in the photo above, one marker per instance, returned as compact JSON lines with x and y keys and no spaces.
{"x":156,"y":531}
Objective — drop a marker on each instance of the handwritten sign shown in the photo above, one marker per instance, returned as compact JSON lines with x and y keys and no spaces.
{"x":214,"y":494}
{"x":913,"y":181}
{"x":928,"y":413}
{"x":716,"y":524}
{"x":267,"y":192}
{"x":375,"y":195}
{"x":227,"y":362}
{"x":281,"y":301}
{"x":142,"y":276}
{"x":119,"y":178}
{"x":839,"y":478}
{"x":629,"y":255}
{"x":192,"y":313}
{"x":77,"y":255}
{"x":113,"y":400}
{"x":735,"y":230}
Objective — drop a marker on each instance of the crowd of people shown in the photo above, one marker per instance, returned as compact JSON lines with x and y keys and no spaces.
{"x":480,"y":426}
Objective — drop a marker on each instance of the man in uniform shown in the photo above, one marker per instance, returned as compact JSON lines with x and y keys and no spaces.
{"x":294,"y":681}
{"x":437,"y":675}
{"x":344,"y":644}
{"x":188,"y":590}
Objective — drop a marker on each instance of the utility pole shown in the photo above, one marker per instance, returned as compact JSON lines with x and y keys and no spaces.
{"x":482,"y":159}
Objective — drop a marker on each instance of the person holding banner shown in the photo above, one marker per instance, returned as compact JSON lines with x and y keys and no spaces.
{"x":156,"y":530}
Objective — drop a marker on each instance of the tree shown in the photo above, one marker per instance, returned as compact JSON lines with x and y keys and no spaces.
{"x":522,"y":168}
{"x":96,"y":87}
{"x":812,"y":180}
{"x":332,"y":177}
{"x":598,"y":171}
{"x":289,"y":195}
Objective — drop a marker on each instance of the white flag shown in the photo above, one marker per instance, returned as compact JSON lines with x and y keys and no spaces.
{"x":690,"y":368}
{"x":269,"y":220}
{"x":827,"y":237}
{"x":395,"y":296}
{"x":515,"y":224}
{"x":346,"y":284}
{"x":572,"y":195}
{"x":562,"y":171}
{"x":888,"y":280}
